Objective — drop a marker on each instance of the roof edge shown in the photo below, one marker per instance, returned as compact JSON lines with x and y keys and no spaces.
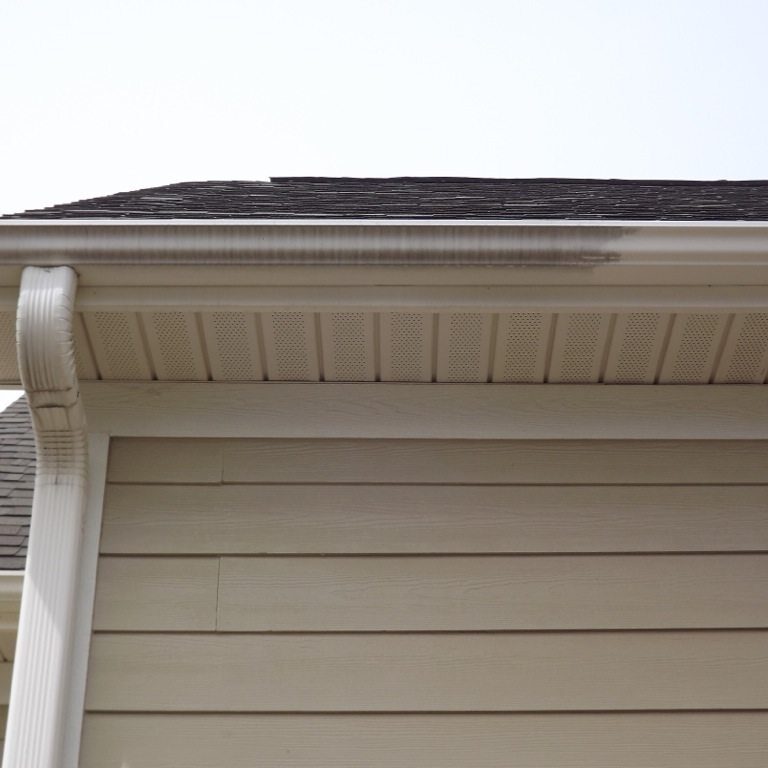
{"x":372,"y":223}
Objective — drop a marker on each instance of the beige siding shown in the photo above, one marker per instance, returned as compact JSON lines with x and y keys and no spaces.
{"x":7,"y":652}
{"x":156,"y":593}
{"x":438,"y":461}
{"x":423,"y":519}
{"x":628,"y":740}
{"x":492,"y":461}
{"x":435,"y":603}
{"x":429,"y":672}
{"x":6,"y":672}
{"x":3,"y":720}
{"x":491,"y":593}
{"x":7,"y":643}
{"x":165,"y":461}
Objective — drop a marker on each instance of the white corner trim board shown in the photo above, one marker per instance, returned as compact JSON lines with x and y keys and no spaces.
{"x":39,"y":698}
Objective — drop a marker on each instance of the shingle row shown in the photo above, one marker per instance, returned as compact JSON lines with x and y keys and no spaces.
{"x":428,"y":198}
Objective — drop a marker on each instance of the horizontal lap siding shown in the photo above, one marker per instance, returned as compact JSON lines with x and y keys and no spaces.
{"x":566,"y":602}
{"x":497,"y":593}
{"x":337,"y":519}
{"x":3,"y":720}
{"x":299,"y":594}
{"x":156,"y":593}
{"x":669,"y":740}
{"x":432,"y":461}
{"x":438,"y":461}
{"x":6,"y":673}
{"x":424,"y":672}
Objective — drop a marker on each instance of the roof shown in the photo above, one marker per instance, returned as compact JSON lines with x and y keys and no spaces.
{"x":17,"y":482}
{"x":428,"y":198}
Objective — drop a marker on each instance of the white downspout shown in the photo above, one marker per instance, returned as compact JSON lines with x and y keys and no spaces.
{"x":35,"y":730}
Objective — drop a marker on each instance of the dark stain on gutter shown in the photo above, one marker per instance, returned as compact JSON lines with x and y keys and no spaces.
{"x":395,"y":244}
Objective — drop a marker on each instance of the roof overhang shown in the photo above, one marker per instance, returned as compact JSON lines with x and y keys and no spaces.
{"x":464,"y":301}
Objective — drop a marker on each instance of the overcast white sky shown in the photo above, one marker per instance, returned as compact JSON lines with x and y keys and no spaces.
{"x":7,"y":396}
{"x":100,"y":97}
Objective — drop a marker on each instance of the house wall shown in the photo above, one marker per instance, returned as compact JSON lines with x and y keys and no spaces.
{"x":10,"y":593}
{"x":7,"y":645}
{"x":346,"y":602}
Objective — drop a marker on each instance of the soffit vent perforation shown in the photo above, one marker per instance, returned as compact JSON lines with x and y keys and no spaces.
{"x":117,"y":345}
{"x":291,"y":346}
{"x":173,"y":339}
{"x":578,"y":347}
{"x":693,"y":348}
{"x":581,"y":347}
{"x":348,"y":346}
{"x":463,"y":347}
{"x":637,"y":342}
{"x":232,"y":346}
{"x":747,"y":361}
{"x":406,"y":346}
{"x":521,"y":347}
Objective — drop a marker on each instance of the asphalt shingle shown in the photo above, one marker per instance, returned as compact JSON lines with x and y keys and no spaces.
{"x":428,"y":198}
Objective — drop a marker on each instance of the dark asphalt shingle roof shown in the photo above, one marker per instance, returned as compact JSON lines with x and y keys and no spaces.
{"x":17,"y":482}
{"x":428,"y":198}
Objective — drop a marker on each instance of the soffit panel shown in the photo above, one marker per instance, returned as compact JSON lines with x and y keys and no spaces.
{"x":585,"y":347}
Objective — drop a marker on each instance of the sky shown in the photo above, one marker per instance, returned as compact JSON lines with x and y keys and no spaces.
{"x":7,"y":396}
{"x":106,"y":96}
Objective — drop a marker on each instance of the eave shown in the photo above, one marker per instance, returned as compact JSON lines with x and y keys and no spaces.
{"x":459,"y":293}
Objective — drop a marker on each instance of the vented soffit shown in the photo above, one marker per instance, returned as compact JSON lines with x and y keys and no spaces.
{"x":636,"y":346}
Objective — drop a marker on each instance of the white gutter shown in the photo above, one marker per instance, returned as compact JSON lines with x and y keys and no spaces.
{"x":380,"y":243}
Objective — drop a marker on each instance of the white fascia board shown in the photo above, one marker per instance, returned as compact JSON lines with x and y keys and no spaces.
{"x":423,"y":298}
{"x":380,"y":242}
